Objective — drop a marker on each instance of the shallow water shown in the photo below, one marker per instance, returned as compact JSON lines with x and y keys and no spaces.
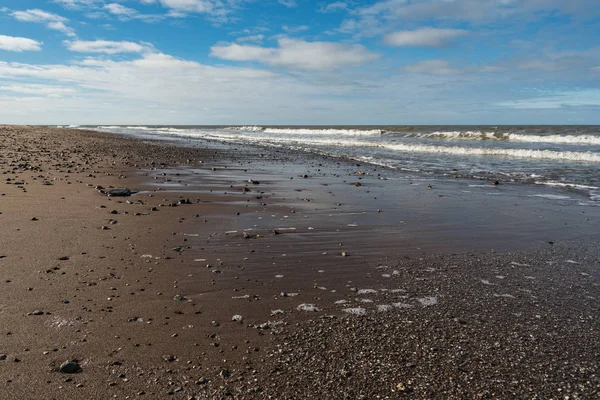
{"x":548,"y":155}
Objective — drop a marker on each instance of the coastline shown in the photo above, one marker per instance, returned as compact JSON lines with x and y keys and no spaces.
{"x":427,"y":254}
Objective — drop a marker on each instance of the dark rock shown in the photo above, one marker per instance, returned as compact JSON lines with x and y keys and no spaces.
{"x":2,"y":357}
{"x":70,"y":367}
{"x":64,"y":258}
{"x":119,"y":192}
{"x":37,"y":312}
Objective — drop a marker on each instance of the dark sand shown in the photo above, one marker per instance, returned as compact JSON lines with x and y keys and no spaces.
{"x":461,"y":292}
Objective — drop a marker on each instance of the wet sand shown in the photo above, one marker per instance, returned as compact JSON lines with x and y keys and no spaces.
{"x":419,"y":288}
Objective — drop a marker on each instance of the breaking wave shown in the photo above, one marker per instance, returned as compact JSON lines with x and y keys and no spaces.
{"x":512,"y":137}
{"x":480,"y":151}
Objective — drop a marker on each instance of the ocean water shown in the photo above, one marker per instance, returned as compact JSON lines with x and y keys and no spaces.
{"x":567,"y":156}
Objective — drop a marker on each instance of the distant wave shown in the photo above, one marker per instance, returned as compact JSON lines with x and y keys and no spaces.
{"x":308,"y":131}
{"x":245,"y":128}
{"x":478,"y":151}
{"x":422,"y":148}
{"x":513,"y":137}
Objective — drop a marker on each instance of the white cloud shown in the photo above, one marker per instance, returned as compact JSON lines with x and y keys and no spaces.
{"x":567,"y":98}
{"x":39,"y":89}
{"x":11,"y":43}
{"x":298,"y":54}
{"x":52,"y":21}
{"x":197,"y":6}
{"x":475,"y":10}
{"x":61,"y":27}
{"x":236,"y":52}
{"x":428,"y":37}
{"x":153,"y":86}
{"x":102,"y":90}
{"x":288,"y":3}
{"x":36,"y":15}
{"x":383,"y":16}
{"x":126,"y":13}
{"x":77,"y":4}
{"x":118,"y":9}
{"x":107,"y":47}
{"x":334,"y":7}
{"x":435,"y":67}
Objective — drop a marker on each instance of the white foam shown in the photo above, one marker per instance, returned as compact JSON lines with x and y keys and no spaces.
{"x":551,"y":196}
{"x":481,"y":151}
{"x":567,"y":185}
{"x":563,"y":139}
{"x":245,"y":128}
{"x":513,"y":137}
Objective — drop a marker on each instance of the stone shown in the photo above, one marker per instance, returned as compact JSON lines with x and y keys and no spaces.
{"x":237,"y":318}
{"x":37,"y":312}
{"x":2,"y":357}
{"x":119,"y":192}
{"x":70,"y":367}
{"x":224,"y":373}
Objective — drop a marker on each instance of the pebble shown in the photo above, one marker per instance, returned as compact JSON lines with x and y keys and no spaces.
{"x":2,"y":357}
{"x":69,"y":367}
{"x":237,"y":318}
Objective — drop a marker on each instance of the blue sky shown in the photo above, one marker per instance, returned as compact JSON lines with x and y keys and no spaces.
{"x":300,"y":62}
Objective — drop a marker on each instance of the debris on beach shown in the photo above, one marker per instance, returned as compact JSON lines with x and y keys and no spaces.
{"x":122,"y":192}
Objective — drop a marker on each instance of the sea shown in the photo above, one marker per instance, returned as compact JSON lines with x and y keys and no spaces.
{"x":564,"y":156}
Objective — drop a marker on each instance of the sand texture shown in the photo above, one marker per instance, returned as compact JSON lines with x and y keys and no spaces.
{"x":251,"y":273}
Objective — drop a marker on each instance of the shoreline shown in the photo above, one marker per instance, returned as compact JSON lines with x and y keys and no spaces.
{"x":123,"y":321}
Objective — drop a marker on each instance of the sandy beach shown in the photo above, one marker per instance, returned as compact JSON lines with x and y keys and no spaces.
{"x":252,"y":273}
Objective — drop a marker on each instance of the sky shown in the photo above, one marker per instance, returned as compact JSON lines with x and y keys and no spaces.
{"x":299,"y":62}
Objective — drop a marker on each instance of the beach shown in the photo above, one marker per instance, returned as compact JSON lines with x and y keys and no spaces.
{"x":238,"y":271}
